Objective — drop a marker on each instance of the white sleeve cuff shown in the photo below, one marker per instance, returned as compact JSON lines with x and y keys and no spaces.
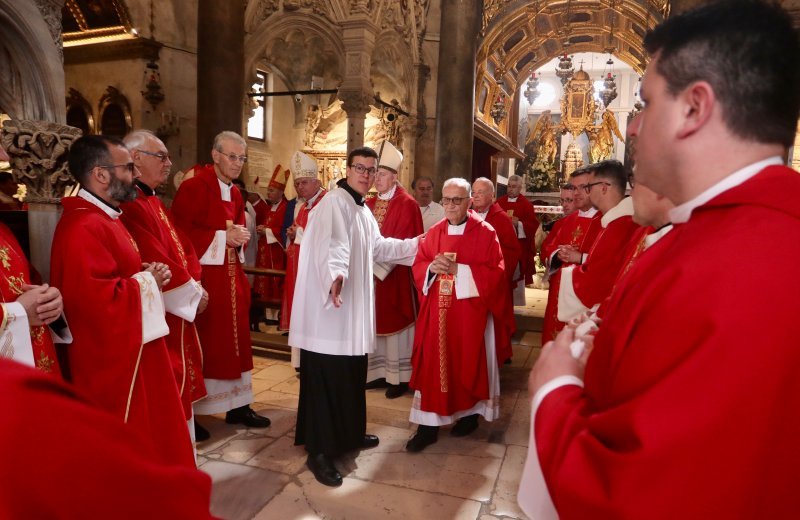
{"x":15,"y":341}
{"x":465,"y":283}
{"x":548,"y":387}
{"x":298,"y":235}
{"x":382,"y":269}
{"x":429,"y":279}
{"x":569,"y":305}
{"x":215,"y":254}
{"x":270,"y":236}
{"x":154,"y":324}
{"x":183,"y":301}
{"x":62,"y":336}
{"x":520,"y":230}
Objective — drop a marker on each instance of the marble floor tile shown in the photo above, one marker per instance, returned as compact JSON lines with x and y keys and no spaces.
{"x":276,"y":373}
{"x":273,"y":399}
{"x":504,"y":500}
{"x":377,"y":398}
{"x":239,"y":491}
{"x":282,"y":420}
{"x":281,"y":456}
{"x":288,"y":386}
{"x":388,"y":416}
{"x":357,"y":499}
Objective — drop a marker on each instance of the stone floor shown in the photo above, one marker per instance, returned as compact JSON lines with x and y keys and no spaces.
{"x":261,"y":474}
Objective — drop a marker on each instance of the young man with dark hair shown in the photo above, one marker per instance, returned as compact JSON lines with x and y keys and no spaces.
{"x":686,"y":407}
{"x":333,"y":317}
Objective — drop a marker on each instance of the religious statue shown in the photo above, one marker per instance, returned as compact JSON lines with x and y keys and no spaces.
{"x":601,"y":138}
{"x":544,"y":135}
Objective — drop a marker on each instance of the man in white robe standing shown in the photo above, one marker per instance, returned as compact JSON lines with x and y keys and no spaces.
{"x":333,"y":317}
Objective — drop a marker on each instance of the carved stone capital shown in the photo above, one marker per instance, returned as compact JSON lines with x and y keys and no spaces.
{"x":51,"y":13}
{"x":38,"y":153}
{"x":355,"y":102}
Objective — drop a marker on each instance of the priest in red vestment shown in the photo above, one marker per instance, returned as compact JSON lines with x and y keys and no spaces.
{"x":211,"y":213}
{"x":686,"y":406}
{"x":159,"y":241}
{"x":578,"y":230}
{"x":398,"y":216}
{"x":97,"y":467}
{"x":27,"y":310}
{"x":590,"y":281}
{"x":271,"y":254}
{"x":523,"y":216}
{"x":459,"y":269}
{"x":310,"y":190}
{"x":486,"y":208}
{"x":118,"y":358}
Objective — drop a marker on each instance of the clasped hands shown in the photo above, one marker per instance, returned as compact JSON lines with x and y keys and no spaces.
{"x":236,"y":235}
{"x":557,"y":359}
{"x":443,"y":265}
{"x":160,"y":272}
{"x":569,"y":254}
{"x":42,"y":303}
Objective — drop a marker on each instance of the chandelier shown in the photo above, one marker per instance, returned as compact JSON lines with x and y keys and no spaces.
{"x":609,"y":91}
{"x":565,"y":70}
{"x":498,"y":111}
{"x":532,"y":92}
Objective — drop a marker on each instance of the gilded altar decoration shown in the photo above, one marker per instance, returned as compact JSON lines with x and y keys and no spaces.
{"x":578,"y":106}
{"x":38,"y":153}
{"x":601,"y":137}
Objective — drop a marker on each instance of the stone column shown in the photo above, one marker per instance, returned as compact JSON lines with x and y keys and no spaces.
{"x":220,"y":71}
{"x":409,"y":131}
{"x":38,"y":153}
{"x":358,"y":35}
{"x":455,"y":92}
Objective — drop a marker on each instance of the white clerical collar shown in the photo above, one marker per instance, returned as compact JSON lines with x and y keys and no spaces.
{"x":225,"y":190}
{"x":310,"y":202}
{"x":682,"y":213}
{"x":514,"y":199}
{"x":457,"y":229}
{"x":589,"y":213}
{"x":388,"y":194}
{"x":100,"y":203}
{"x":622,"y":209}
{"x":482,"y":214}
{"x":655,"y":236}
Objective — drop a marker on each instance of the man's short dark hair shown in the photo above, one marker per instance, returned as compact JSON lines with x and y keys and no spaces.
{"x":579,"y":171}
{"x":748,"y":52}
{"x":90,"y":151}
{"x":364,"y":151}
{"x":420,"y":178}
{"x":613,"y":172}
{"x":568,"y":186}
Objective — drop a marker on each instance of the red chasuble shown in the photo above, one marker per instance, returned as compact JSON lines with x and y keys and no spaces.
{"x":575,"y":230}
{"x":92,"y":263}
{"x":395,"y":301}
{"x":449,"y":358}
{"x":15,"y":271}
{"x":151,"y":227}
{"x":95,"y":469}
{"x":691,"y":391}
{"x":224,"y":330}
{"x":292,"y":261}
{"x":594,"y":279}
{"x":509,"y":244}
{"x":524,"y":211}
{"x":270,"y":256}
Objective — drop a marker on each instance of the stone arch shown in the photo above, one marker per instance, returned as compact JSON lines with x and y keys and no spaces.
{"x":391,"y":69}
{"x":31,"y":70}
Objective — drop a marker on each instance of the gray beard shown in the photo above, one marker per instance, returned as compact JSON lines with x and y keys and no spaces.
{"x":121,"y":192}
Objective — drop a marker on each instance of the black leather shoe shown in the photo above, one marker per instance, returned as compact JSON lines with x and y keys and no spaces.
{"x":200,"y":433}
{"x":370,"y":441}
{"x":377,"y":383}
{"x":395,"y":391}
{"x":465,"y":426}
{"x":425,"y":436}
{"x":245,"y":415}
{"x":323,"y":469}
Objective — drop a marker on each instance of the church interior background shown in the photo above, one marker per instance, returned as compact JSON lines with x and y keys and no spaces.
{"x":462,"y":87}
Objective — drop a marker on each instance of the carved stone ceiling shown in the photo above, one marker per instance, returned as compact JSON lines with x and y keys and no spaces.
{"x":85,"y":20}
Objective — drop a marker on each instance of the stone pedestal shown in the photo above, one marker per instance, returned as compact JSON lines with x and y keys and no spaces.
{"x":220,"y":71}
{"x":455,"y":93}
{"x":358,"y":35}
{"x":38,"y":152}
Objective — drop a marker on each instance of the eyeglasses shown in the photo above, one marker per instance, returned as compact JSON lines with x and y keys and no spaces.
{"x":588,"y":187}
{"x":631,"y":180}
{"x":128,"y":166}
{"x":360,"y":168}
{"x":163,"y":157}
{"x":232,"y":157}
{"x":456,"y":201}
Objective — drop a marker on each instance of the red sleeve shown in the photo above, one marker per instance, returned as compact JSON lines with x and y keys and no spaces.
{"x":189,"y":209}
{"x":552,"y":240}
{"x":508,"y":243}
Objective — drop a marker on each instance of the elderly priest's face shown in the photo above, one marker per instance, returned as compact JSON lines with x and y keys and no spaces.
{"x":456,"y":202}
